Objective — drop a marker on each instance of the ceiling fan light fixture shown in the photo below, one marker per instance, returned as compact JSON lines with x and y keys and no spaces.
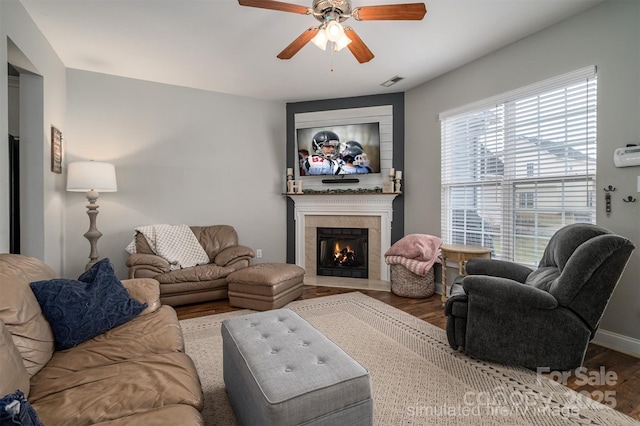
{"x":320,"y":39}
{"x":330,"y":13}
{"x":334,"y":31}
{"x":342,"y":43}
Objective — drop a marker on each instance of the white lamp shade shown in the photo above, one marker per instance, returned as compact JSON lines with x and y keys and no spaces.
{"x":83,"y":176}
{"x":334,"y":31}
{"x":343,"y":42}
{"x":320,"y":39}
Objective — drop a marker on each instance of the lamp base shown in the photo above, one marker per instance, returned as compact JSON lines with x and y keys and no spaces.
{"x":90,"y":264}
{"x":92,"y":234}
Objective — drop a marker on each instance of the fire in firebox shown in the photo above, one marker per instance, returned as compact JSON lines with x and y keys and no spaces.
{"x":342,"y":252}
{"x":344,"y":257}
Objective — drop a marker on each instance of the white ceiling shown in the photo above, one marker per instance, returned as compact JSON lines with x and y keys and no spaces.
{"x":220,"y":46}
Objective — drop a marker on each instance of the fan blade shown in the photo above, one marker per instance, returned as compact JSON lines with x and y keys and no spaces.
{"x":298,"y":43}
{"x":275,"y":5}
{"x":391,"y":12}
{"x":357,"y":46}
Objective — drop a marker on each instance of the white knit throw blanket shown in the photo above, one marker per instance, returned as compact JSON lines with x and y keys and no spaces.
{"x":175,"y":243}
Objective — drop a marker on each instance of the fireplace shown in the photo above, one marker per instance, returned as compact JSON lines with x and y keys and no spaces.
{"x":372,"y":211}
{"x":343,"y":252}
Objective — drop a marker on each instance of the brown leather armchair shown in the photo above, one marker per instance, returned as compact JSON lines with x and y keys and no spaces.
{"x":198,"y":283}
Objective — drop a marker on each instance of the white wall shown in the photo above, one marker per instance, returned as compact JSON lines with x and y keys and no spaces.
{"x":42,"y":224}
{"x":607,"y":36}
{"x":182,"y":156}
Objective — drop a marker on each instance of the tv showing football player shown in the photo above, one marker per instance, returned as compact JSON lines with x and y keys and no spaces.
{"x":339,"y":150}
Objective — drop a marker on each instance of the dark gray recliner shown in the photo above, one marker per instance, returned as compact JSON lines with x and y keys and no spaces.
{"x":512,"y":314}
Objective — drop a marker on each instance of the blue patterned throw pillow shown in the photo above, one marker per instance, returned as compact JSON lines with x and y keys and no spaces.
{"x":81,"y":309}
{"x":16,"y":410}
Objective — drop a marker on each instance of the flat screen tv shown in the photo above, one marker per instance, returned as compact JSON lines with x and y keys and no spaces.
{"x":349,"y":149}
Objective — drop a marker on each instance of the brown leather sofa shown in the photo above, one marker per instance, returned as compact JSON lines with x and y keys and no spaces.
{"x":197,"y":283}
{"x":134,"y":374}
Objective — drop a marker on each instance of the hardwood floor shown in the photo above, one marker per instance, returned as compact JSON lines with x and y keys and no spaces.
{"x":611,"y":377}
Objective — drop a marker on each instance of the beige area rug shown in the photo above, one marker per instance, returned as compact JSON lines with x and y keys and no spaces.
{"x":416,"y":378}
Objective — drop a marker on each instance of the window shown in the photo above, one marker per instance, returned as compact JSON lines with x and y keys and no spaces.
{"x":519,"y":166}
{"x":525,"y":200}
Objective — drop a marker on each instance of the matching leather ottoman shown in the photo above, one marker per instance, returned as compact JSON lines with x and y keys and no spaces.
{"x":279,"y":370}
{"x":265,"y":286}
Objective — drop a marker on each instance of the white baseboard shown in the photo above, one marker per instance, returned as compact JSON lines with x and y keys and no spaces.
{"x":617,"y":342}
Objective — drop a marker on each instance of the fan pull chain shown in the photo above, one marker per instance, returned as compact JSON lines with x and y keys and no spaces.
{"x":333,"y":51}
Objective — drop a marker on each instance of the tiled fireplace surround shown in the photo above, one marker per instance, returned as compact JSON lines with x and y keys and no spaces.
{"x":372,"y":211}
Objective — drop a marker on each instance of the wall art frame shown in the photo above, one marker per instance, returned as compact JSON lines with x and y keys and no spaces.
{"x":56,"y":150}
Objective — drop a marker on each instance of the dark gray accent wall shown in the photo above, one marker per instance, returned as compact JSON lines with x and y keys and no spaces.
{"x":396,"y":100}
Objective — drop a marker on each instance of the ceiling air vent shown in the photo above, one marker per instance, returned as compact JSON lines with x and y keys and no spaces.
{"x":392,"y":81}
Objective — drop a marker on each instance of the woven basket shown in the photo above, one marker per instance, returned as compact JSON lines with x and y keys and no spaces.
{"x":407,"y":284}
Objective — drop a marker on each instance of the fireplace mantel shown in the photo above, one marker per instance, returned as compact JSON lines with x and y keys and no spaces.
{"x":377,"y":205}
{"x":358,"y":202}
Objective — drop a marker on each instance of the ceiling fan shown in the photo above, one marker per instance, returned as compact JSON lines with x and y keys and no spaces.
{"x":331,"y":13}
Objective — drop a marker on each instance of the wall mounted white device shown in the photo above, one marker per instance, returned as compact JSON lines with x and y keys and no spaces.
{"x":625,"y":157}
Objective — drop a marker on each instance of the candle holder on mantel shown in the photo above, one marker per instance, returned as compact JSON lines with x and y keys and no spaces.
{"x":398,"y":186}
{"x":389,"y":187}
{"x":398,"y":182}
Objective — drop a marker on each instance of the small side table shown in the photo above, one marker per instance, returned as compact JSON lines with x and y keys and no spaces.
{"x":460,"y":253}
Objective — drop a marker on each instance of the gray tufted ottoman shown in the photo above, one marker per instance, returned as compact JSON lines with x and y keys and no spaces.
{"x":279,"y":370}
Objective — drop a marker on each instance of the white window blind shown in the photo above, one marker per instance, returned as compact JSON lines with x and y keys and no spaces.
{"x":519,"y":166}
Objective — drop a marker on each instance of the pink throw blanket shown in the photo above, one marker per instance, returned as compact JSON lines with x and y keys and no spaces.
{"x":416,"y":252}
